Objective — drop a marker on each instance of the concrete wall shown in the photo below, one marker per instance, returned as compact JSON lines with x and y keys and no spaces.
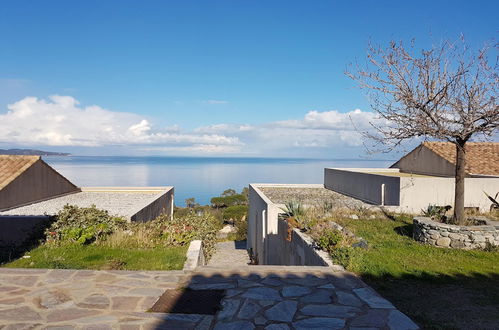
{"x":39,"y":182}
{"x":299,"y":251}
{"x":418,"y":192}
{"x":162,"y":205}
{"x":262,"y":221}
{"x":358,"y":183}
{"x":267,"y":234}
{"x":408,"y":194}
{"x":16,"y":230}
{"x":424,"y":161}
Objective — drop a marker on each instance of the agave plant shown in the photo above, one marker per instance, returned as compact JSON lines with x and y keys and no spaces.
{"x":495,"y":202}
{"x":436,"y":212}
{"x":293,"y":211}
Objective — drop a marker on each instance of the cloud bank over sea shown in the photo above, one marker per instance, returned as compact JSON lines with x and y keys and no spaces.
{"x":60,"y":121}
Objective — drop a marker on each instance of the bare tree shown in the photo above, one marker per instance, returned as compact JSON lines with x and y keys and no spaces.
{"x":447,"y":92}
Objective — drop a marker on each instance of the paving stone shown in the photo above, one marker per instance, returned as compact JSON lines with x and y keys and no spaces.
{"x":319,"y":323}
{"x":205,"y":324}
{"x":97,"y":327}
{"x":279,"y":326}
{"x":307,"y":281}
{"x":348,"y":299}
{"x":124,"y":303}
{"x":147,"y":291}
{"x":67,"y":314}
{"x":129,"y":327}
{"x":21,"y":326}
{"x":372,"y":299}
{"x":60,"y":327}
{"x":398,"y":320}
{"x":98,"y":301}
{"x":232,"y":292}
{"x":272,"y":281}
{"x":260,"y":320}
{"x":373,"y":318}
{"x":229,"y":309}
{"x":23,"y":313}
{"x":329,"y":310}
{"x":265,"y":303}
{"x":24,"y":281}
{"x":247,"y":284}
{"x":363,"y":328}
{"x":55,"y":298}
{"x":12,"y":301}
{"x":283,"y":311}
{"x":327,"y":286}
{"x":262,"y":293}
{"x":320,"y":296}
{"x":248,"y":310}
{"x":99,"y":319}
{"x":238,"y":325}
{"x":295,"y":291}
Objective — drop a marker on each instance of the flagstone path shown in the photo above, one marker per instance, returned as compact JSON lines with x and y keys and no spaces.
{"x":256,"y":297}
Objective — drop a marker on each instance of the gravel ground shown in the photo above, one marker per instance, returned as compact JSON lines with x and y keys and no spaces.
{"x":116,"y":203}
{"x":311,"y":196}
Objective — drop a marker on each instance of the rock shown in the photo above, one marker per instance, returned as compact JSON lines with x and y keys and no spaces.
{"x":348,"y":299}
{"x":354,"y":216}
{"x":248,"y":310}
{"x":283,"y":311}
{"x":55,"y":299}
{"x":443,"y":241}
{"x":262,"y":293}
{"x":278,"y":326}
{"x":320,"y":296}
{"x":319,"y":323}
{"x":238,"y":325}
{"x":19,"y":314}
{"x":125,"y":303}
{"x":457,"y":244}
{"x":372,"y":299}
{"x":70,"y":314}
{"x":360,"y":244}
{"x":295,"y":291}
{"x":373,"y":318}
{"x":95,"y":301}
{"x":329,"y":310}
{"x":229,"y":308}
{"x":398,"y":320}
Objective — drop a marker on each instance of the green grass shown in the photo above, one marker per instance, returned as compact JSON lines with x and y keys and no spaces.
{"x":101,"y":257}
{"x":438,"y":288}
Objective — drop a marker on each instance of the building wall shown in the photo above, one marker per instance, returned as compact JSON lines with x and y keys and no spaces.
{"x":38,"y":182}
{"x":417,"y":193}
{"x":17,"y":230}
{"x":371,"y":188}
{"x":424,"y":161}
{"x":409,"y":194}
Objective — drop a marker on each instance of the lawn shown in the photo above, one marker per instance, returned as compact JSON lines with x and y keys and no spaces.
{"x":102,"y":257}
{"x":438,"y":288}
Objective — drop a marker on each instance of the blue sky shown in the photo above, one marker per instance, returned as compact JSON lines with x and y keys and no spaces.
{"x":203,"y":77}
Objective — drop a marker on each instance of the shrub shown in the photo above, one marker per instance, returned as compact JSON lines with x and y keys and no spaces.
{"x":82,"y":225}
{"x":436,"y":212}
{"x":329,"y":239}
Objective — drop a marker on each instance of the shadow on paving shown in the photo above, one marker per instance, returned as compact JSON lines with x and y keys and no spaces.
{"x":256,"y":297}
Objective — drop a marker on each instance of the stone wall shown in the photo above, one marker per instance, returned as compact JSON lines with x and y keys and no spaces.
{"x":458,"y":237}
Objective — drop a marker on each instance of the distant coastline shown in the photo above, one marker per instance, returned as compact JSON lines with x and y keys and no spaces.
{"x":31,"y":152}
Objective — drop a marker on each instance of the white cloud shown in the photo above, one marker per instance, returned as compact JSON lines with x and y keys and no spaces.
{"x":60,"y":121}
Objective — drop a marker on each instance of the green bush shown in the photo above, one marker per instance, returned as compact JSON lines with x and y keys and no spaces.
{"x":227,"y":201}
{"x":235,"y":212}
{"x":82,"y":225}
{"x":329,"y":239}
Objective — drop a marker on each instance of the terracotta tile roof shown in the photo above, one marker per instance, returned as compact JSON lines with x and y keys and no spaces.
{"x":481,"y":157}
{"x":12,"y":166}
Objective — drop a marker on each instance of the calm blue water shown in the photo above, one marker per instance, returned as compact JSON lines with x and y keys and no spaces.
{"x":201,"y":178}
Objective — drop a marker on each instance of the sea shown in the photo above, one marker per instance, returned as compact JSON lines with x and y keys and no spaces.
{"x":198,"y":177}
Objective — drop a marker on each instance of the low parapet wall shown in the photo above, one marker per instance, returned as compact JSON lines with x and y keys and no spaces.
{"x":267,"y":234}
{"x":458,"y":237}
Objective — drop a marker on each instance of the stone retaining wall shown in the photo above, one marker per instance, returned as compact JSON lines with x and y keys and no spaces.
{"x":458,"y":237}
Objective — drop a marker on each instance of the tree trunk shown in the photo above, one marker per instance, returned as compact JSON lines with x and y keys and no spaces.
{"x":459,"y":217}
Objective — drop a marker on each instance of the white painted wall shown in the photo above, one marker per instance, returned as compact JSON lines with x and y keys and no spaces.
{"x":408,"y":194}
